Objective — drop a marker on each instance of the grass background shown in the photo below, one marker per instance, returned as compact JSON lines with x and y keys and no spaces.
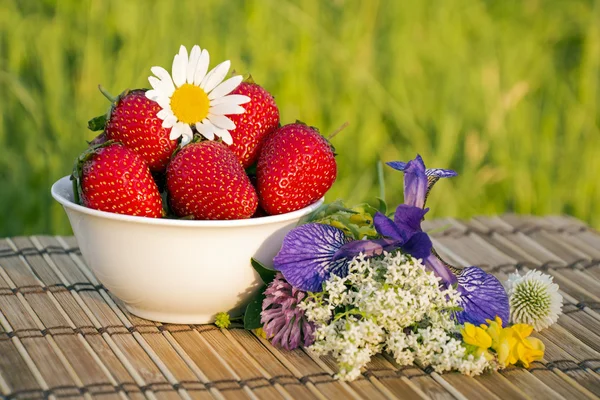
{"x":505,"y":92}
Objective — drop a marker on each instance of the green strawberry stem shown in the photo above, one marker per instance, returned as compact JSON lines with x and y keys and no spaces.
{"x":338,"y":130}
{"x":109,"y":96}
{"x":99,"y":123}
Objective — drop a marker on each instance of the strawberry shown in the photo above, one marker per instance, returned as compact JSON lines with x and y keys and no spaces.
{"x":261,"y":118}
{"x":295,"y":168}
{"x":205,"y":180}
{"x":132,"y":121}
{"x":111,"y":177}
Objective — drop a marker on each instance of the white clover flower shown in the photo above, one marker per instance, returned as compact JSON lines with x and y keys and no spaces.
{"x":534,"y":299}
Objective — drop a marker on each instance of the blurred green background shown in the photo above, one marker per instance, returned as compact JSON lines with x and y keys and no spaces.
{"x":505,"y":92}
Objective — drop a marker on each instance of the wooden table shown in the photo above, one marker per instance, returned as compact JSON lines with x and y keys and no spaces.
{"x":63,"y":335}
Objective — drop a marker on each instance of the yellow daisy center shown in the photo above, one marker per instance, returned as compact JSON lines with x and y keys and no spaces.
{"x":190,"y":103}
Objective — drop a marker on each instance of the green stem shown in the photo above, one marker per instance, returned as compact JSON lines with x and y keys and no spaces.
{"x":380,"y":180}
{"x":338,"y":130}
{"x":109,"y":96}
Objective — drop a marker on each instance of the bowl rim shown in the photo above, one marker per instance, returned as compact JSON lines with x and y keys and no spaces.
{"x":65,"y":183}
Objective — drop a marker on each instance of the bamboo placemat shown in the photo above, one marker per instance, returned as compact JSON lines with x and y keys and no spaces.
{"x":62,"y":334}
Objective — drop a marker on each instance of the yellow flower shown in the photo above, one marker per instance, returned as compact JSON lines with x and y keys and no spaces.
{"x":513,"y":344}
{"x":476,"y":336}
{"x":522,"y":330}
{"x":493,"y":329}
{"x":529,"y":350}
{"x":506,"y":347}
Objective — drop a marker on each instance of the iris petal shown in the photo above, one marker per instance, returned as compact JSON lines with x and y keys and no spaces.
{"x":397,"y":165}
{"x":482,"y":297}
{"x":415,"y":183}
{"x":386,"y":227}
{"x":408,"y":218}
{"x":418,"y":246}
{"x":433,"y":263}
{"x":436,"y":172}
{"x":440,"y":173}
{"x":306,"y":258}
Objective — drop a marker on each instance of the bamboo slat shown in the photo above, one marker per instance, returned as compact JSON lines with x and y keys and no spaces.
{"x":62,"y":334}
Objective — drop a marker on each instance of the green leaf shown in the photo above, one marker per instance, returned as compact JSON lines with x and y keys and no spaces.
{"x":266,"y":274}
{"x":324,"y":210}
{"x":381,"y":206}
{"x":253,"y":310}
{"x":380,"y":179}
{"x":97,"y":123}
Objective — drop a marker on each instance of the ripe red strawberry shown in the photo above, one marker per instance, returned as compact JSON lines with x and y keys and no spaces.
{"x":132,"y":121}
{"x":111,"y":177}
{"x":295,"y":168}
{"x":261,"y":118}
{"x":205,"y":180}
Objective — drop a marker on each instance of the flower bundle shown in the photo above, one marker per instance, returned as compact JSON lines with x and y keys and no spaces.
{"x":353,"y":282}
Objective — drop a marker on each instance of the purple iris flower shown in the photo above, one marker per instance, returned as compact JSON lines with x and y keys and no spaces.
{"x":408,"y":217}
{"x":483,"y":296}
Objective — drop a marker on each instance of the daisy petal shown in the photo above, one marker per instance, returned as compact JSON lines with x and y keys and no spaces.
{"x":185,"y":140}
{"x":179,"y":69}
{"x":176,"y":131}
{"x":169,"y":121}
{"x":216,"y":76}
{"x":186,"y":133}
{"x":183,"y":53}
{"x":165,"y":78}
{"x":226,"y":109}
{"x":152,"y":94}
{"x":221,"y":121}
{"x":164,"y":102}
{"x":206,"y":129}
{"x":225,"y":87}
{"x":162,"y":114}
{"x":225,"y":135}
{"x":201,"y":67}
{"x":156,"y":84}
{"x":231,"y":99}
{"x":192,"y":63}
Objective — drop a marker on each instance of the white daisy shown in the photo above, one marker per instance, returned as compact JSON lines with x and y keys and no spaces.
{"x":192,"y":97}
{"x":534,"y":299}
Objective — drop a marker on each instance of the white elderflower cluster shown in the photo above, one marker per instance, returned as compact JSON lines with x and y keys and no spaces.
{"x":351,"y":341}
{"x":436,"y":347}
{"x":389,"y":303}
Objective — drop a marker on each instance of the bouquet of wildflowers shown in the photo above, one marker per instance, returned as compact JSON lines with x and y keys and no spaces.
{"x":353,"y":282}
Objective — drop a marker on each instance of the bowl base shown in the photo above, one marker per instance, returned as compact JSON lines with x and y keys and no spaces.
{"x":174,"y":318}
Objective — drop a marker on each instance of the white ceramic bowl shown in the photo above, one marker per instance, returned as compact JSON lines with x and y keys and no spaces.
{"x":177,"y":271}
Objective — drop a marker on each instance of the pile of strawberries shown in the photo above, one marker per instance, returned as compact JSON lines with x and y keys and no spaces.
{"x":133,"y":167}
